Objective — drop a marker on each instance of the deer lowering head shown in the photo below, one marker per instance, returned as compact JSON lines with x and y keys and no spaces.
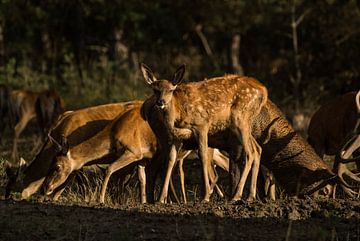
{"x":61,"y":168}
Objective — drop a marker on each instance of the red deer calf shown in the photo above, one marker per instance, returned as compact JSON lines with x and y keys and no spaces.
{"x":331,"y":125}
{"x":210,"y":107}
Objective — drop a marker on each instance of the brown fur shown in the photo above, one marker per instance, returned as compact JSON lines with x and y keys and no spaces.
{"x":293,"y":162}
{"x":326,"y":133}
{"x":127,"y":139}
{"x":27,"y":105}
{"x":331,"y":125}
{"x":209,"y":107}
{"x":76,"y":126}
{"x":102,"y":148}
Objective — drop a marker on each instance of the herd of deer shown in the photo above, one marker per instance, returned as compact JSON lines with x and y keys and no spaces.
{"x":228,"y":121}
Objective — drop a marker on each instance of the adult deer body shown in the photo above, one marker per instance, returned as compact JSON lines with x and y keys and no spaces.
{"x":118,"y":144}
{"x":331,"y":124}
{"x":77,"y":126}
{"x":207,"y":108}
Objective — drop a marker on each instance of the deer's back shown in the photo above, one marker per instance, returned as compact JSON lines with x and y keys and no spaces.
{"x":285,"y":152}
{"x":77,"y":126}
{"x":211,"y":101}
{"x":131,"y":131}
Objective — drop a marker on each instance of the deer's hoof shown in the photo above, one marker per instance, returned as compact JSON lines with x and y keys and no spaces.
{"x":250,"y":199}
{"x":205,"y":200}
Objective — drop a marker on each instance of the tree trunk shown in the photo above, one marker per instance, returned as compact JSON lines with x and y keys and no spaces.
{"x":205,"y":43}
{"x":235,"y":55}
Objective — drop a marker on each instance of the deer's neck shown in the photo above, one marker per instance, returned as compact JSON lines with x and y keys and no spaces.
{"x":91,"y":149}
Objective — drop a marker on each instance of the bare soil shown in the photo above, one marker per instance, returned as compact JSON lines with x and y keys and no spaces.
{"x":286,"y":219}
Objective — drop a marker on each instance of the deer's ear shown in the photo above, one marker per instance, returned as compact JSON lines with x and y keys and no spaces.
{"x":179,"y":75}
{"x":64,"y":145}
{"x":148,"y":74}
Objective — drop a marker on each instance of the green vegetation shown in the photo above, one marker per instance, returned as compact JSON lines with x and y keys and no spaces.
{"x":304,"y":51}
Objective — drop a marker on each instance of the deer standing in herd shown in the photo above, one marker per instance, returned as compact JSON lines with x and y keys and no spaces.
{"x":233,"y":112}
{"x":207,"y":108}
{"x":18,"y":107}
{"x":127,"y":139}
{"x":76,"y":126}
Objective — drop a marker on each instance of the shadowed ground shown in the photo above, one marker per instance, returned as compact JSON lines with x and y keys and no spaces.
{"x":299,"y":219}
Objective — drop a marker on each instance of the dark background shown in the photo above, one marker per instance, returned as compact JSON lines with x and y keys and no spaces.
{"x":305,"y":52}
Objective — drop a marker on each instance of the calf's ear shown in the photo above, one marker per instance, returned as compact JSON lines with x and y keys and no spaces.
{"x":148,"y":74}
{"x":179,"y":75}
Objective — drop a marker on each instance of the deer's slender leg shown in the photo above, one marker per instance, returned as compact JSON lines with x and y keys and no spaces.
{"x":220,"y":160}
{"x":203,"y":153}
{"x":270,"y":185}
{"x":125,"y":159}
{"x":234,"y":168}
{"x":182,"y":178}
{"x":255,"y":169}
{"x":142,"y":179}
{"x":171,"y":163}
{"x":252,"y":155}
{"x":19,"y":127}
{"x":243,"y":135}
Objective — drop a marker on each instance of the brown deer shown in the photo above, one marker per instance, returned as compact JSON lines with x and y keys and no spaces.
{"x":331,"y":125}
{"x":210,"y":107}
{"x":24,"y":109}
{"x":77,"y":126}
{"x":127,"y":139}
{"x":295,"y":165}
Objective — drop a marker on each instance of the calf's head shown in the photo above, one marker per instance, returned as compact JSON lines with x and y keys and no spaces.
{"x":163,"y":89}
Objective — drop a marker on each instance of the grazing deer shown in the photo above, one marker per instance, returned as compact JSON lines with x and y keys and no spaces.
{"x":77,"y":126}
{"x":331,"y":125}
{"x":210,"y":107}
{"x":25,"y":106}
{"x":126,"y":140}
{"x":294,"y":164}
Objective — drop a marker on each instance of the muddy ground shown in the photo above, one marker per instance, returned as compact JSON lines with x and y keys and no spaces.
{"x":69,"y":219}
{"x":287,"y":219}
